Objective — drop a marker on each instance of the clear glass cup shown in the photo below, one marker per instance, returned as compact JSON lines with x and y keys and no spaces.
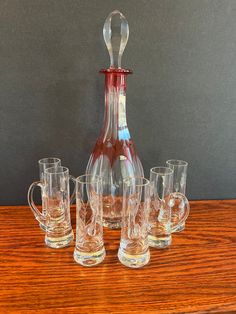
{"x":89,"y":247}
{"x":56,"y":220}
{"x":45,"y":163}
{"x":162,"y":198}
{"x":134,"y":249}
{"x":180,"y":168}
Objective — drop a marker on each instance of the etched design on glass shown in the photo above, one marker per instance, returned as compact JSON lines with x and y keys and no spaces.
{"x":159,"y":221}
{"x":89,"y":220}
{"x":161,"y":179}
{"x":89,"y":248}
{"x":179,"y":205}
{"x":133,"y":251}
{"x":45,"y":163}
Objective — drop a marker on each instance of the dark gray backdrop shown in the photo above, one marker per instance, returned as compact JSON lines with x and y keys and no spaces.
{"x":181,"y":100}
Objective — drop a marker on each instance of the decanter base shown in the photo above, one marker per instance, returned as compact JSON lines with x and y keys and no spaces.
{"x":159,"y":242}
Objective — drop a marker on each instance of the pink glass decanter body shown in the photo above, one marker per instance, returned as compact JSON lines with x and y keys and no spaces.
{"x":114,"y":157}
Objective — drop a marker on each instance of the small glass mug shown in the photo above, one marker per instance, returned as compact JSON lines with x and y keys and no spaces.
{"x":45,"y":163}
{"x":56,"y":221}
{"x":89,"y":247}
{"x":162,"y":201}
{"x":134,"y":249}
{"x":180,"y":168}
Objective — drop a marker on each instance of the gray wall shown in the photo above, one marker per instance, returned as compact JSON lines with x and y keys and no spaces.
{"x":181,"y":100}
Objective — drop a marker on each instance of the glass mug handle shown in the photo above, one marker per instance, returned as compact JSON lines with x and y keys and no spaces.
{"x":183,"y":208}
{"x":37,"y":213}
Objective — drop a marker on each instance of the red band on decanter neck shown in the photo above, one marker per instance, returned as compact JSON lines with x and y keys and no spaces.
{"x":115,"y":77}
{"x":116,"y":71}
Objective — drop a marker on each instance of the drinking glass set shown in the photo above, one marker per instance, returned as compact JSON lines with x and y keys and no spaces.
{"x":151,"y":211}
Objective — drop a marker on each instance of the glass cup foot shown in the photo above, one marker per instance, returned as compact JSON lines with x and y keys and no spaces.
{"x":160,"y":242}
{"x":89,"y":258}
{"x":134,"y":261}
{"x":59,"y":242}
{"x":179,"y":228}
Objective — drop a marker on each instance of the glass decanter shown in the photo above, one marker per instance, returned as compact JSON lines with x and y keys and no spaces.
{"x":114,"y":156}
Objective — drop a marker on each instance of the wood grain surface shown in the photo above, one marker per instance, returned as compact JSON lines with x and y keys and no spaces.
{"x":197,"y":274}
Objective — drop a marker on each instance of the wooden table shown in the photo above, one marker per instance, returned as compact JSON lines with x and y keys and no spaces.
{"x":197,"y":274}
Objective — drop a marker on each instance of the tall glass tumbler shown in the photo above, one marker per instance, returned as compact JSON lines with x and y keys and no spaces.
{"x":45,"y":163}
{"x":56,"y":220}
{"x":134,"y":249}
{"x":89,"y":248}
{"x":162,"y":201}
{"x":160,"y":212}
{"x":180,"y":168}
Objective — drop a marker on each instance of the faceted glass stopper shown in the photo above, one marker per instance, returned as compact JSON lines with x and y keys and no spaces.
{"x":116,"y":34}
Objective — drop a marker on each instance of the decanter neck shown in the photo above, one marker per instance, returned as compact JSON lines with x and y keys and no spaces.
{"x":115,"y":124}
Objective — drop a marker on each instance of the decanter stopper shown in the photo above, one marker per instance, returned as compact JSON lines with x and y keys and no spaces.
{"x":116,"y":34}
